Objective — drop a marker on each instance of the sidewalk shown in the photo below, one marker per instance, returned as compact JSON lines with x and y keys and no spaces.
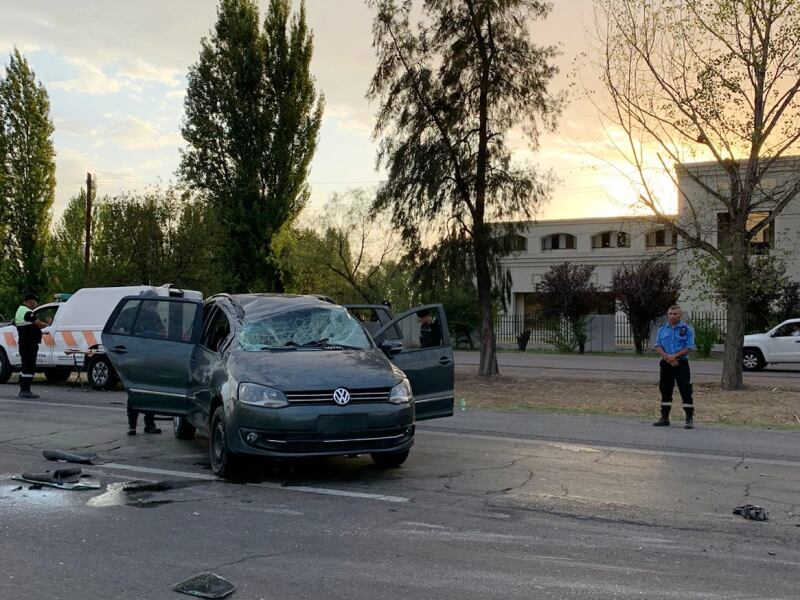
{"x":586,"y":366}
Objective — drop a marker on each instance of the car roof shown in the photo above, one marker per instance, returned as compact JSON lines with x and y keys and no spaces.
{"x":264,"y":304}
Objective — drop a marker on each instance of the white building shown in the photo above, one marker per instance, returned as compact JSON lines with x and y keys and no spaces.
{"x":607,"y":243}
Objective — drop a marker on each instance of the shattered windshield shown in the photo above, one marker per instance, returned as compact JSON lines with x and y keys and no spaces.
{"x":309,"y":327}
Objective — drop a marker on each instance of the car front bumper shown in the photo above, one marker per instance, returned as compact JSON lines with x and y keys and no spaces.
{"x":303,"y":431}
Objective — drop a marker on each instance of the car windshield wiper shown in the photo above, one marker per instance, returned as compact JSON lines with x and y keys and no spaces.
{"x":312,"y":344}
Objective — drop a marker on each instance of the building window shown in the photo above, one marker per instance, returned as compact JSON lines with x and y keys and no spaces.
{"x":559,"y":241}
{"x":659,"y":238}
{"x":517,"y":243}
{"x":763,"y":241}
{"x":611,"y":239}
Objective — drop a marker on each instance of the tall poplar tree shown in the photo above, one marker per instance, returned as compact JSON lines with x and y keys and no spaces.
{"x":27,"y":180}
{"x":252,"y":122}
{"x":451,"y":90}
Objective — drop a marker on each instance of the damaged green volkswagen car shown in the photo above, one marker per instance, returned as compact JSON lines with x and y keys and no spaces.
{"x":282,"y":376}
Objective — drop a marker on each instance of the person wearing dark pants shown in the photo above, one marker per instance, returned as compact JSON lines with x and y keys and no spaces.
{"x":674,"y":342}
{"x":29,"y":335}
{"x":149,"y":421}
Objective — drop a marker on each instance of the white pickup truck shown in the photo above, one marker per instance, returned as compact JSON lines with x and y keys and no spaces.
{"x":76,"y":325}
{"x":780,"y":345}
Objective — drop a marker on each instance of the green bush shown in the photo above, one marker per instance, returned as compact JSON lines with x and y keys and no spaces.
{"x":706,"y":334}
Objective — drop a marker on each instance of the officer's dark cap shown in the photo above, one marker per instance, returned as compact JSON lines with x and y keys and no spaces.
{"x":30,"y":297}
{"x":423,"y":313}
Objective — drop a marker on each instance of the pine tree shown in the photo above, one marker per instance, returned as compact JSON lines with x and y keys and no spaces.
{"x":27,"y":179}
{"x":251,"y":124}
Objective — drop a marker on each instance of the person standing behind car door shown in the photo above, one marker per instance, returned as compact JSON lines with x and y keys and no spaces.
{"x":29,"y":336}
{"x":674,"y":342}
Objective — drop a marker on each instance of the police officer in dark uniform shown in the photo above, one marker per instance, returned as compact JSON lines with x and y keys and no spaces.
{"x":29,"y":336}
{"x":430,"y":331}
{"x":674,"y":341}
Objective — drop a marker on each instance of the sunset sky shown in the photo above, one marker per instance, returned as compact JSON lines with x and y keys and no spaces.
{"x":116,"y":75}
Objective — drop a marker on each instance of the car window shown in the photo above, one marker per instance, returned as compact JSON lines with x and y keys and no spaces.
{"x":159,"y":319}
{"x":46,"y":314}
{"x":123,"y":324}
{"x":787,"y":330}
{"x":371,"y":319}
{"x":418,"y":330}
{"x":310,"y":327}
{"x":216,"y":331}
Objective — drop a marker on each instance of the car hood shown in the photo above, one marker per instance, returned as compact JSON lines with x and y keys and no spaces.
{"x":306,"y":370}
{"x":756,"y":337}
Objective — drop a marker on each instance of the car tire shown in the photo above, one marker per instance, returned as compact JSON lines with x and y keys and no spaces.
{"x":182,"y":429}
{"x":390,"y":460}
{"x":101,"y":374}
{"x":753,"y":360}
{"x":5,"y":367}
{"x":57,"y":375}
{"x":224,"y":463}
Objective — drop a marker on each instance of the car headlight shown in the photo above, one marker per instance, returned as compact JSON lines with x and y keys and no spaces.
{"x":261,"y":395}
{"x":401,"y":393}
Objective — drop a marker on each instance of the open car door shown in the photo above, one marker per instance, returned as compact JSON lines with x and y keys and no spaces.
{"x":151,"y":341}
{"x":423,"y":353}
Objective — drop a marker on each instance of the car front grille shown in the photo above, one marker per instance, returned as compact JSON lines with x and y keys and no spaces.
{"x":362,"y":396}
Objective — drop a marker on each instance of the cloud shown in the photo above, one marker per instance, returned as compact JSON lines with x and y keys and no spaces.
{"x":90,"y":79}
{"x":348,"y":119}
{"x":138,"y":70}
{"x":132,"y":133}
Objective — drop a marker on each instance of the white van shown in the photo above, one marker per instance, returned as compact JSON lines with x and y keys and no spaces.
{"x":76,"y":324}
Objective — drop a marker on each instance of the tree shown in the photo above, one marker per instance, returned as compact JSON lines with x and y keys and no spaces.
{"x":717,"y":78}
{"x":350,"y":249}
{"x":451,"y":89}
{"x":788,"y":304}
{"x":251,"y":125}
{"x":65,"y":252}
{"x":566,"y":291}
{"x":27,"y":179}
{"x":769,"y":277}
{"x":644,"y":291}
{"x":158,"y":237}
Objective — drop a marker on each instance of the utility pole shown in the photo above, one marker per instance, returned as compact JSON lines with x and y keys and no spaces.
{"x":88,"y":244}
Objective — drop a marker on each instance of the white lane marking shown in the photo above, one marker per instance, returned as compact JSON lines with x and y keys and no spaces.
{"x":62,"y":404}
{"x":272,"y":486}
{"x":620,"y":449}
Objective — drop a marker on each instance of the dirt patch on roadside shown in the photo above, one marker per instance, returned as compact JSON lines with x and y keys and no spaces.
{"x":756,"y":406}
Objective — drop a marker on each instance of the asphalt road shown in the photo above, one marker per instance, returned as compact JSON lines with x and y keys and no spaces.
{"x":623,"y":367}
{"x":489,"y":505}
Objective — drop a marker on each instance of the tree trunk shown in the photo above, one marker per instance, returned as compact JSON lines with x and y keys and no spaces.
{"x":734,"y":338}
{"x":488,"y":360}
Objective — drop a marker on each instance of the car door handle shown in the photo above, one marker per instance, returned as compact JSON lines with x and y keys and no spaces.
{"x":444,"y":361}
{"x":119,"y":349}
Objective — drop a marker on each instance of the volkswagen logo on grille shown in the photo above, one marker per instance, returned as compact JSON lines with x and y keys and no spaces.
{"x":341,"y":396}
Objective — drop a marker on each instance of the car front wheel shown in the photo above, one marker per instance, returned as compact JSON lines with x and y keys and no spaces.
{"x":752,"y":360}
{"x":224,"y":463}
{"x":390,"y":460}
{"x":101,"y":374}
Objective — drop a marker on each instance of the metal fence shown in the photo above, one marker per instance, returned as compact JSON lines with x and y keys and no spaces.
{"x":508,"y":327}
{"x":542,"y":328}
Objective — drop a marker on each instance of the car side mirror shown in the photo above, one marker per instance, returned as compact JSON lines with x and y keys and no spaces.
{"x":391,"y":347}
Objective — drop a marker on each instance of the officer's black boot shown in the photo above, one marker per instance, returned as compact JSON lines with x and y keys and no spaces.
{"x":664,"y":420}
{"x":150,"y":423}
{"x":132,"y":418}
{"x":689,"y":418}
{"x":25,"y":388}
